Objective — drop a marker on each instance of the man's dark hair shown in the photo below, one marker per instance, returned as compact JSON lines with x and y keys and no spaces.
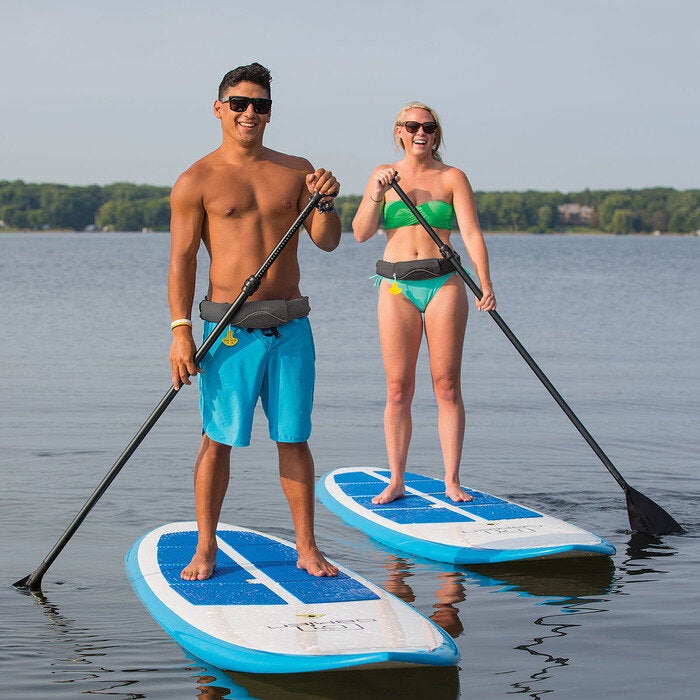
{"x":254,"y":73}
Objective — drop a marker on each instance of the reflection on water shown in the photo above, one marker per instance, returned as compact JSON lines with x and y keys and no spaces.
{"x":577,"y":590}
{"x":642,"y":547}
{"x":557,"y":579}
{"x":573,"y":585}
{"x":428,"y":683}
{"x":577,"y":587}
{"x":555,"y":626}
{"x":83,"y":659}
{"x":450,"y":591}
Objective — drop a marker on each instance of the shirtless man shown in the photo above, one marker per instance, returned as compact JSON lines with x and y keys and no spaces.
{"x":239,"y":201}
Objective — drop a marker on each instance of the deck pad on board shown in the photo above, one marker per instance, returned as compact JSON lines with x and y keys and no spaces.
{"x":260,"y":613}
{"x":428,"y":523}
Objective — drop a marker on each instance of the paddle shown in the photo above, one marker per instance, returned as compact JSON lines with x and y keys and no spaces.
{"x":33,"y":580}
{"x":645,"y":516}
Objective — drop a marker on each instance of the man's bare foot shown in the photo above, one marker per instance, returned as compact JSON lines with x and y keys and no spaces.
{"x":200,"y":568}
{"x":389,"y":494}
{"x":457,"y":493}
{"x":316,"y":564}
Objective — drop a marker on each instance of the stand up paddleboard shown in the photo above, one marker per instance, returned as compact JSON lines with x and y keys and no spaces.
{"x":428,"y":524}
{"x":259,"y":613}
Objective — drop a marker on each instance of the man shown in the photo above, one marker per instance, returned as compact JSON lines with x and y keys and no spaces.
{"x":239,"y":201}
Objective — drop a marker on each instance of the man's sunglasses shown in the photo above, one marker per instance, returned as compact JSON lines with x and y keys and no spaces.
{"x":412,"y":127}
{"x":261,"y":105}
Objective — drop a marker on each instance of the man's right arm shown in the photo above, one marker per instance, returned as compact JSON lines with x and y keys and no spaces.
{"x":187,"y":219}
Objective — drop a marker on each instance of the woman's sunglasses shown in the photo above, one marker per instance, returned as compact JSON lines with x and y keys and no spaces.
{"x":412,"y":127}
{"x":261,"y":105}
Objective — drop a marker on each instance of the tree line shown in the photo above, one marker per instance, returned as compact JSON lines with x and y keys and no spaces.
{"x":124,"y":206}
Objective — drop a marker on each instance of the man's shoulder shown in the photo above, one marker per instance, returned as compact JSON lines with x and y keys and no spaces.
{"x":194,"y":181}
{"x":288,"y":161}
{"x":199,"y":169}
{"x":202,"y":167}
{"x":213,"y":162}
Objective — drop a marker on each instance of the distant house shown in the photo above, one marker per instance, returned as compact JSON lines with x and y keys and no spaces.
{"x":574,"y":214}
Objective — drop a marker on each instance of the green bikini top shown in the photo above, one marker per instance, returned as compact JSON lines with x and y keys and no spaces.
{"x":437,"y":213}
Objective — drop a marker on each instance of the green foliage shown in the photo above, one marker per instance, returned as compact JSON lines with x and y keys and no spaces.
{"x":519,"y":211}
{"x":124,"y":206}
{"x":627,"y":211}
{"x":546,"y":217}
{"x":121,"y":206}
{"x":346,"y":208}
{"x":621,"y":221}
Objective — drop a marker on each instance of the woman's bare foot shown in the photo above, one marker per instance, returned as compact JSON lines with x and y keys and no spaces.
{"x":389,"y":494}
{"x":457,"y":493}
{"x":200,"y":568}
{"x":315,"y":563}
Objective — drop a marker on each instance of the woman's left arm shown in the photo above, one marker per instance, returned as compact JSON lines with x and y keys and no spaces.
{"x":468,"y":222}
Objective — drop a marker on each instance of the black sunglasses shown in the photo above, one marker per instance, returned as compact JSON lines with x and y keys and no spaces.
{"x":261,"y":105}
{"x":412,"y":127}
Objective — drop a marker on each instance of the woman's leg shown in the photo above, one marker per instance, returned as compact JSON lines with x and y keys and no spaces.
{"x":400,"y":333}
{"x":445,"y":325}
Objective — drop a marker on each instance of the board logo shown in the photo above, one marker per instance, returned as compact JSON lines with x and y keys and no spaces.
{"x":326,"y":625}
{"x":505,"y":529}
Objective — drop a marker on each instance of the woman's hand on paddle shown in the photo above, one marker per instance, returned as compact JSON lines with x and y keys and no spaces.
{"x":382,"y":181}
{"x":182,"y":351}
{"x":323,"y":181}
{"x":487,"y":301}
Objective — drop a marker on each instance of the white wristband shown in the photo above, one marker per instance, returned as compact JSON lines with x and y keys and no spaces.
{"x":180,"y":322}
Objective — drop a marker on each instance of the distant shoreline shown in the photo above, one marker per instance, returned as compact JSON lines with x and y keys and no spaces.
{"x":126,"y":206}
{"x":592,"y":232}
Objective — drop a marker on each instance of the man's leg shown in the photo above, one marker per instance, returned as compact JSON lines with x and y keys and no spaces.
{"x":296,"y":467}
{"x":211,"y":476}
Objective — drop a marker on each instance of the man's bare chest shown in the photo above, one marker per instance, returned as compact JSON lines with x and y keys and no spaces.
{"x":266,"y":194}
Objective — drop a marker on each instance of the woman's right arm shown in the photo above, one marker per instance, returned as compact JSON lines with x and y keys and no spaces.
{"x":366,"y":220}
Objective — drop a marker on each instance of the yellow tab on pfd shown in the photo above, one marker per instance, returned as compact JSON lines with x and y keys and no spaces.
{"x":229,"y":339}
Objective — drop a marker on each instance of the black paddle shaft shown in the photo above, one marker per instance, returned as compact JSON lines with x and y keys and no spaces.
{"x":33,"y":580}
{"x":641,"y":510}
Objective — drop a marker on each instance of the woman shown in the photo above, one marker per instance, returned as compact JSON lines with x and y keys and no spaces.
{"x":419,"y":289}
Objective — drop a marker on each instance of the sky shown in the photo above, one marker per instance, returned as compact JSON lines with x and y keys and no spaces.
{"x":532,"y":94}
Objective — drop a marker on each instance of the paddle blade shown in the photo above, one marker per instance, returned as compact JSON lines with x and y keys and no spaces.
{"x":31,"y":582}
{"x":648,"y":517}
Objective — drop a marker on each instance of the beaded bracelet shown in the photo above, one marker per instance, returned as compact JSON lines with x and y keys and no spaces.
{"x":325,"y":208}
{"x":180,"y":322}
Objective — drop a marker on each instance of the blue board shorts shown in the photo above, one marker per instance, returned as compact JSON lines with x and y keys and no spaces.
{"x":278,"y":369}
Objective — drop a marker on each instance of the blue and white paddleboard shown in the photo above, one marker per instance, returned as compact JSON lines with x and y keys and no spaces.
{"x":428,"y":524}
{"x":259,"y":613}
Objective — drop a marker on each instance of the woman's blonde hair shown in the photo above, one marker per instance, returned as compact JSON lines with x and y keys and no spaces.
{"x":438,"y":134}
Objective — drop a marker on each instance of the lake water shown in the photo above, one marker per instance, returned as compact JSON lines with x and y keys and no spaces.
{"x":612,"y":321}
